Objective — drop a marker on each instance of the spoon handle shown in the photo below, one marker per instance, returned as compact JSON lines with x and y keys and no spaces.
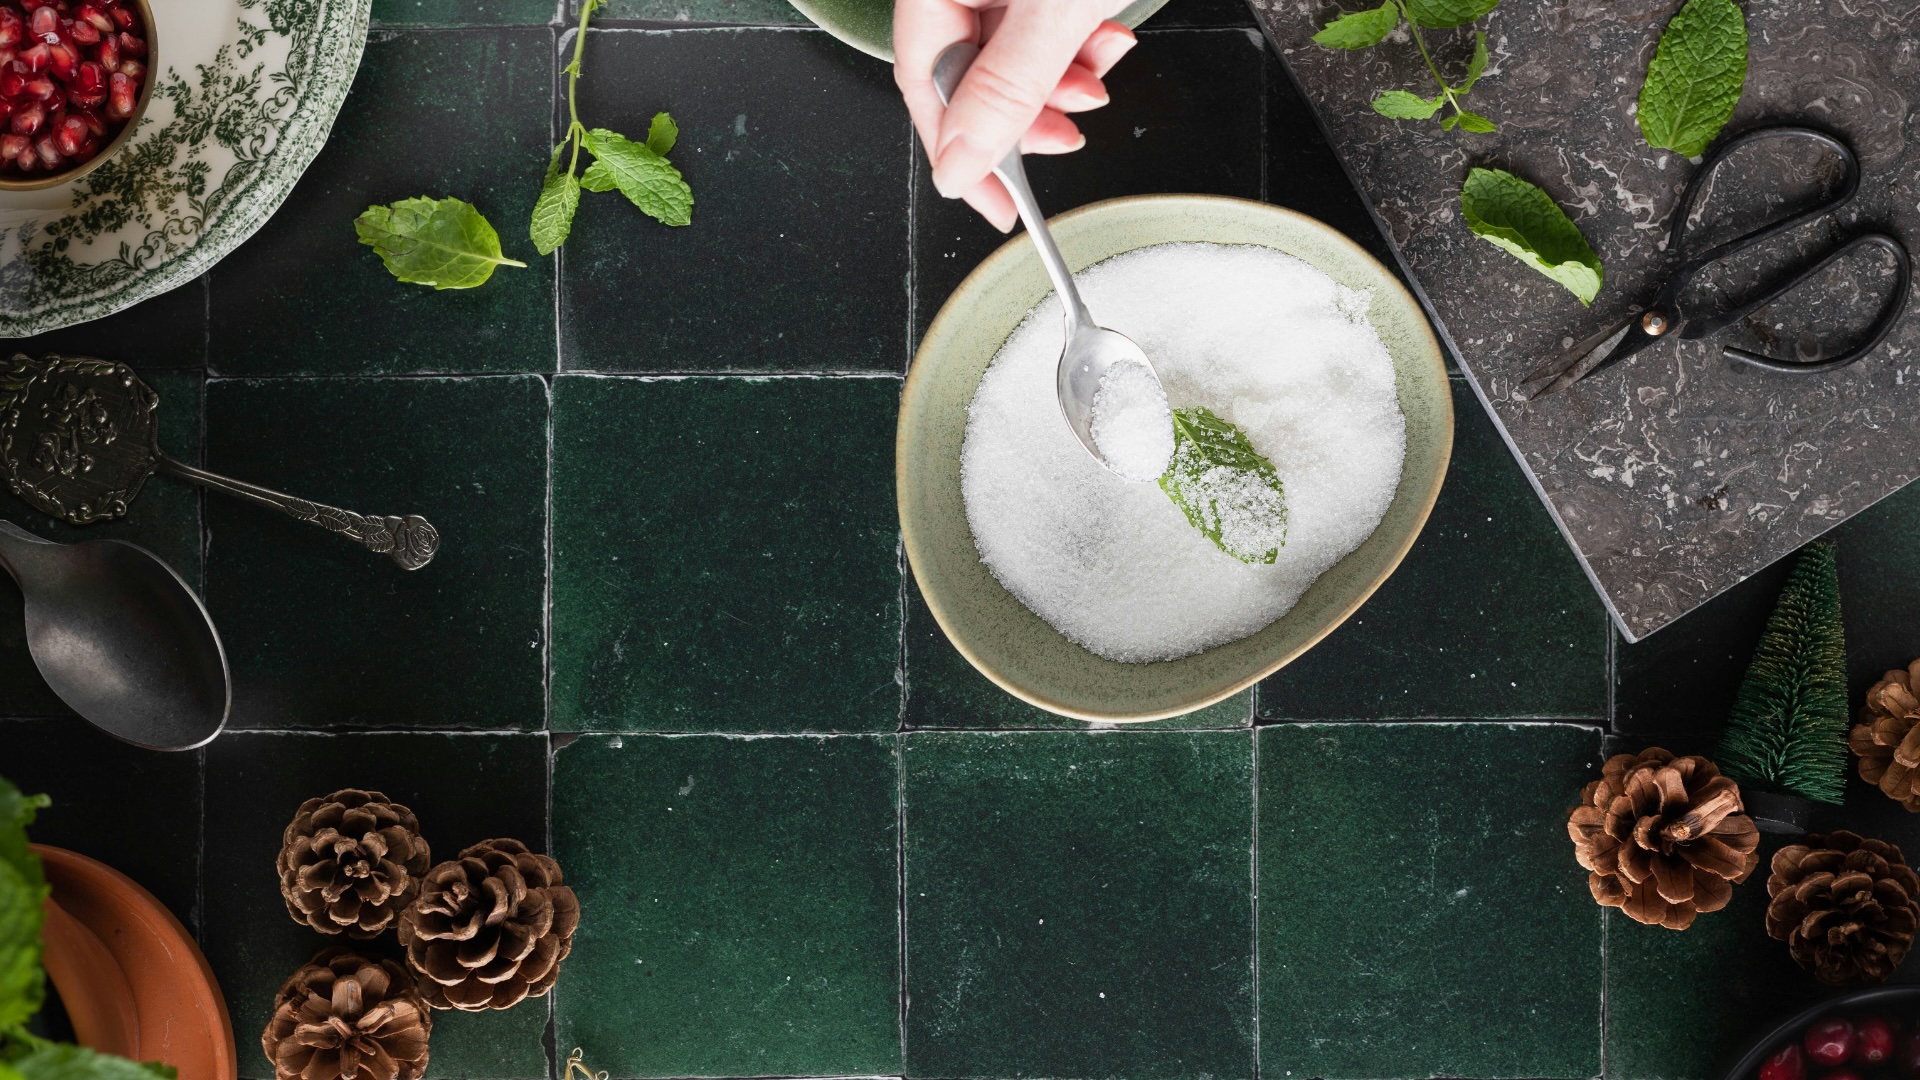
{"x":948,"y":70}
{"x":411,"y":541}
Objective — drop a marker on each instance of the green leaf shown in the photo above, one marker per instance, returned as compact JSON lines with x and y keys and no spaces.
{"x":1478,"y":65}
{"x":1473,"y":121}
{"x":662,"y":134}
{"x":553,"y":211}
{"x":1523,"y":221}
{"x":1359,"y":29}
{"x":1695,"y":78}
{"x":597,"y":178}
{"x":444,"y":243}
{"x":1441,"y":14}
{"x":1225,"y":488}
{"x":58,"y":1061}
{"x":1400,"y":105}
{"x":23,"y":889}
{"x":644,"y":177}
{"x":1449,"y":122}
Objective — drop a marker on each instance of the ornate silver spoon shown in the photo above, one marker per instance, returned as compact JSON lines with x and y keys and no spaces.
{"x":78,"y":438}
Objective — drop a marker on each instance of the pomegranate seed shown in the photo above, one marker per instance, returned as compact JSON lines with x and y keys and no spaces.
{"x":12,"y":29}
{"x":26,"y":119}
{"x":69,"y":136}
{"x":1875,"y":1043}
{"x":28,"y":161}
{"x":45,"y":21}
{"x":37,"y":57}
{"x":12,"y":84}
{"x":1786,"y":1064}
{"x":108,"y":53}
{"x":89,"y":84}
{"x":1829,"y":1041}
{"x":95,"y":125}
{"x":6,"y":57}
{"x":11,"y":146}
{"x":133,"y":46}
{"x":133,"y":69}
{"x":83,"y":33}
{"x":94,"y":17}
{"x":31,"y":4}
{"x":49,"y":153}
{"x":41,"y":87}
{"x":63,"y":61}
{"x":120,"y":96}
{"x":123,"y":17}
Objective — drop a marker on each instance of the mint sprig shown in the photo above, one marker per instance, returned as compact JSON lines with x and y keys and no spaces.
{"x":1524,"y":221}
{"x":638,"y":170}
{"x":1365,"y":29}
{"x":1695,"y":77}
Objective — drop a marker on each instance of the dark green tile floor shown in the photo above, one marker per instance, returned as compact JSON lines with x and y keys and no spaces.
{"x":671,"y":640}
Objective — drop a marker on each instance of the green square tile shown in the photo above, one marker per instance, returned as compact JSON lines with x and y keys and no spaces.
{"x":66,"y":759}
{"x":1079,"y":905}
{"x":463,"y":788}
{"x":1489,"y":617}
{"x":742,"y":12}
{"x":165,"y":333}
{"x":425,"y":13}
{"x":944,"y":691}
{"x":464,"y":113}
{"x":725,"y":554}
{"x":755,"y":931}
{"x":1421,"y":913}
{"x":321,"y":632}
{"x":164,"y":519}
{"x":796,"y":148}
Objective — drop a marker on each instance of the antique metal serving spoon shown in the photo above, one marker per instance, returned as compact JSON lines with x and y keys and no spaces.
{"x":120,"y":638}
{"x":1090,"y":349}
{"x":78,"y":437}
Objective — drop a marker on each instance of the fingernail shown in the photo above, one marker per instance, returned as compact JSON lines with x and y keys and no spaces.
{"x":1116,"y":47}
{"x":961,"y":164}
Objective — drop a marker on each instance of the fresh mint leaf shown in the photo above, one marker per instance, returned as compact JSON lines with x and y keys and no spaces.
{"x":1359,"y":29}
{"x":662,"y":134}
{"x":597,"y":178}
{"x":644,"y":177}
{"x":1477,"y":66}
{"x":23,"y":889}
{"x":1225,"y":488}
{"x":1695,"y":78}
{"x":444,"y":243}
{"x":1443,"y":14}
{"x":1400,"y":105}
{"x":1525,"y":222}
{"x":58,"y":1061}
{"x":1473,"y":121}
{"x":553,"y":211}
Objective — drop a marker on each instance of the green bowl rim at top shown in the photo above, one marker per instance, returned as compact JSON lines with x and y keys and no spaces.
{"x":1018,"y":246}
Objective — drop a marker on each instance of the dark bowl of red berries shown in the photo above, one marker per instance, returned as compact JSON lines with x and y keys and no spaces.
{"x":1864,"y":1035}
{"x":75,"y":76}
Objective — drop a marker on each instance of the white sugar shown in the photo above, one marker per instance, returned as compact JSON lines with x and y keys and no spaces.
{"x":1266,"y":342}
{"x":1131,"y":423}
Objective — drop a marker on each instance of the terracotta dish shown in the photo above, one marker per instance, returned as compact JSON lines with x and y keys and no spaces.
{"x":133,"y":981}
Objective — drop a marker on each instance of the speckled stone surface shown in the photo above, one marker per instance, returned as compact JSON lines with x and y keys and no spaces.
{"x":1674,"y":475}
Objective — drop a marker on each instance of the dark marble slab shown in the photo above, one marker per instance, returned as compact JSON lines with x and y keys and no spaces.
{"x":1674,"y":475}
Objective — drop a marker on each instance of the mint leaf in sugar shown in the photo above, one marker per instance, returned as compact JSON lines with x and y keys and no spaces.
{"x":1225,"y":488}
{"x":1695,"y":78}
{"x":1522,"y":220}
{"x":1360,"y":29}
{"x":444,"y":243}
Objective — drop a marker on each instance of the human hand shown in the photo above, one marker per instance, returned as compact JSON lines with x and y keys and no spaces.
{"x":1042,"y":60}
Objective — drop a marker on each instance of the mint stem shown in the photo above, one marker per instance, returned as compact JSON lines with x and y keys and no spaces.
{"x":1414,"y":29}
{"x":575,"y":129}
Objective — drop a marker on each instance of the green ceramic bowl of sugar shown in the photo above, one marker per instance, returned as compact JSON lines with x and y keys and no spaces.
{"x":993,"y":629}
{"x":867,"y":25}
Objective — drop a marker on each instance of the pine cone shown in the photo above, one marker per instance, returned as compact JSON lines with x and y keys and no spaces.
{"x":1665,"y":837}
{"x":345,"y":1016}
{"x":1845,"y":907}
{"x":490,"y":928}
{"x":351,"y":862}
{"x":1887,"y":738}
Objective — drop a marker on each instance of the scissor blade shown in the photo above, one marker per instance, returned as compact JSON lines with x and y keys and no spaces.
{"x":1575,"y":364}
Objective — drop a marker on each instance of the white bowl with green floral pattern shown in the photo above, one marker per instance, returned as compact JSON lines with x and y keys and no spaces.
{"x":244,"y":95}
{"x":992,"y":629}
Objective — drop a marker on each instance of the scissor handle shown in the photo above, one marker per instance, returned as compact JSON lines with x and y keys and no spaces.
{"x":1699,"y":185}
{"x":1890,"y":312}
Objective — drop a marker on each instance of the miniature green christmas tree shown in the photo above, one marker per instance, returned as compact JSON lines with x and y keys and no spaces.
{"x":1788,"y":730}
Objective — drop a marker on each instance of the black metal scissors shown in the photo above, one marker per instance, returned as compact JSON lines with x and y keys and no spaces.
{"x":1667,"y":316}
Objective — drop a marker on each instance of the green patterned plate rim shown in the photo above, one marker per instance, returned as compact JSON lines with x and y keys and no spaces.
{"x":867,"y":25}
{"x":246,"y":92}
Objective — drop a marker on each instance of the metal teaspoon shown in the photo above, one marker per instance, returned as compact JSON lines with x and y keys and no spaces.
{"x":78,"y":438}
{"x":1090,"y":349}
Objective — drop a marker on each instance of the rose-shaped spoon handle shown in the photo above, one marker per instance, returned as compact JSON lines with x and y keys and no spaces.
{"x":410,"y":541}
